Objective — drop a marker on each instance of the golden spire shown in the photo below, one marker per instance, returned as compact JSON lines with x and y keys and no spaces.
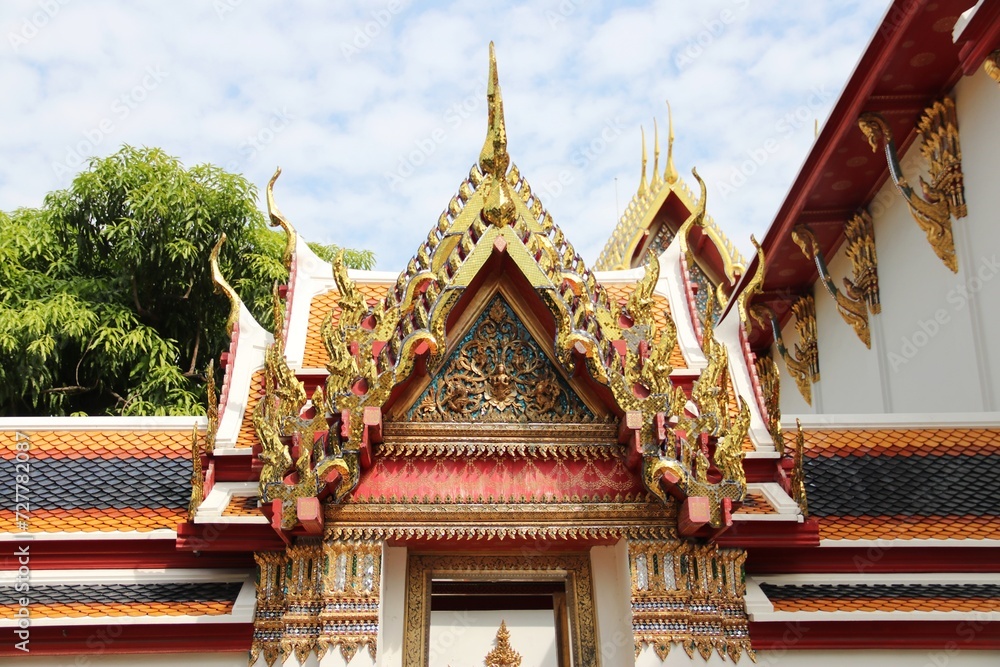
{"x":656,"y":182}
{"x":498,"y":209}
{"x":670,"y":175}
{"x":493,"y":159}
{"x":642,"y":181}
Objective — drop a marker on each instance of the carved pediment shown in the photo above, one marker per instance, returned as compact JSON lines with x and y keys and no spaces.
{"x":498,"y":372}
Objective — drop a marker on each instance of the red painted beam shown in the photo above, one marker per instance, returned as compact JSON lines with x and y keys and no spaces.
{"x":150,"y":638}
{"x":771,"y":534}
{"x":119,"y":554}
{"x":236,"y":468}
{"x":945,"y":636}
{"x":792,"y":559}
{"x":201,"y":537}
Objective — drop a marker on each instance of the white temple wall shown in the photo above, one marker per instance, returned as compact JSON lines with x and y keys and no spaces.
{"x":934,"y":347}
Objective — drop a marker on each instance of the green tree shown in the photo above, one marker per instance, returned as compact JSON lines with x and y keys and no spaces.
{"x":107,"y":305}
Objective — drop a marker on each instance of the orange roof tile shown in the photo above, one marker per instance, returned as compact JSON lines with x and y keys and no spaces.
{"x":247,"y":437}
{"x":902,"y":442}
{"x":138,"y":609}
{"x":887,"y":604}
{"x":89,"y":520}
{"x":755,"y":503}
{"x":242,"y":506}
{"x":69,"y":444}
{"x":909,"y":527}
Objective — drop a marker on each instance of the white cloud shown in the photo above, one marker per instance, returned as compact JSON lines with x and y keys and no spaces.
{"x":375,"y":88}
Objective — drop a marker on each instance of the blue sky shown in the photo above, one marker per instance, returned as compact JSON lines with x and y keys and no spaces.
{"x":376,"y":110}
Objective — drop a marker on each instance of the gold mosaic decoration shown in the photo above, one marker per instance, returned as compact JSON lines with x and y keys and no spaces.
{"x":853,"y":310}
{"x":573,"y":569}
{"x":860,"y":237}
{"x":315,"y":597}
{"x":688,"y":594}
{"x":942,"y":198}
{"x":503,"y":655}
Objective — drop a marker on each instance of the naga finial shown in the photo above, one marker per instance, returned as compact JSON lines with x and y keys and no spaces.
{"x":223,"y":286}
{"x":754,"y":286}
{"x":279,"y":220}
{"x":697,"y":218}
{"x":670,"y":174}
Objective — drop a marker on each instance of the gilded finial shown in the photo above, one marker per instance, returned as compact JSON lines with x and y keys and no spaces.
{"x":754,"y":286}
{"x":503,"y":655}
{"x":493,"y":159}
{"x":279,"y":220}
{"x":498,"y":209}
{"x":223,"y":286}
{"x":670,"y":175}
{"x":697,"y":218}
{"x":643,"y":188}
{"x":655,"y":184}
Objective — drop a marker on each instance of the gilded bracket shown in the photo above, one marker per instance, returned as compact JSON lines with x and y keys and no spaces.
{"x":854,"y":311}
{"x":992,"y":65}
{"x":860,"y":234}
{"x":803,"y":365}
{"x":944,"y":197}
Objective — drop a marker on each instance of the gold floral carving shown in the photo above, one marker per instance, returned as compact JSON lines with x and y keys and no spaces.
{"x":691,"y":595}
{"x":317,"y":596}
{"x":992,"y":65}
{"x":503,"y":655}
{"x":573,"y":570}
{"x":499,"y":374}
{"x":942,"y":198}
{"x":853,"y":310}
{"x":860,"y":236}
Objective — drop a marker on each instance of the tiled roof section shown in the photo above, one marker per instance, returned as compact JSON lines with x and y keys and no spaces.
{"x":906,"y":485}
{"x":661,"y":308}
{"x":884,"y":597}
{"x":903,"y":484}
{"x":902,"y":527}
{"x":105,"y":483}
{"x":315,"y":355}
{"x":70,"y":444}
{"x":98,"y":481}
{"x":247,"y":437}
{"x":755,"y":503}
{"x":91,"y":520}
{"x":903,"y":442}
{"x":159,"y":599}
{"x":242,"y":506}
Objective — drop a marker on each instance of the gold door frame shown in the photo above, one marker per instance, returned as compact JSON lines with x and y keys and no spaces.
{"x":573,"y":569}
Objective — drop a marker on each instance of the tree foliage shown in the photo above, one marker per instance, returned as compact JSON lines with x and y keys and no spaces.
{"x":107,"y":305}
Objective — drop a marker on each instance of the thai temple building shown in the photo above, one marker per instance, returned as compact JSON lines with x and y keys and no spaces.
{"x":502,"y":454}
